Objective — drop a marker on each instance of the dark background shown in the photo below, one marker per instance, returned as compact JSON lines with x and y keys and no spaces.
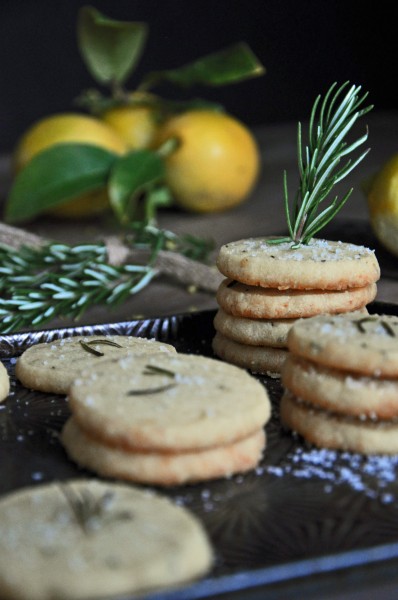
{"x":305,"y":46}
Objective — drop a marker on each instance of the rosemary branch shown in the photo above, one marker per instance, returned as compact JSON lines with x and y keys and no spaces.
{"x":43,"y":282}
{"x":319,"y":162}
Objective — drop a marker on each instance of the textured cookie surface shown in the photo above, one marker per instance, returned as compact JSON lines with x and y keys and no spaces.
{"x":339,"y":391}
{"x":169,"y":401}
{"x":156,"y":468}
{"x":255,"y":302}
{"x":258,"y":359}
{"x":357,"y":343}
{"x":118,"y":545}
{"x":321,"y":264}
{"x":328,"y":430}
{"x":52,"y":366}
{"x":4,"y":382}
{"x":254,"y":332}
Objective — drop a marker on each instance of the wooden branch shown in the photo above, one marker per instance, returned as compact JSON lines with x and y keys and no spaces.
{"x":170,"y":264}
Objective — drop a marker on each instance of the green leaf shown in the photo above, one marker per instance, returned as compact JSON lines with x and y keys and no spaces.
{"x":55,"y":175}
{"x":156,"y":198}
{"x":111,"y":49}
{"x":132,"y":175}
{"x":230,"y":65}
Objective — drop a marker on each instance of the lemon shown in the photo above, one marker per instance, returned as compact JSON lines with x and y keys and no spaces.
{"x":136,"y":125}
{"x":64,"y":128}
{"x":215,"y":164}
{"x":383,"y":204}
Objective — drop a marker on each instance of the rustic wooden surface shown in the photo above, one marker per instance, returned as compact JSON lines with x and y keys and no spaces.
{"x":261,"y":214}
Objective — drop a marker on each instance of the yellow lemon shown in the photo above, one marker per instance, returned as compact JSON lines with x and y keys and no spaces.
{"x":136,"y":125}
{"x":215,"y":164}
{"x":64,"y":128}
{"x":383,"y":204}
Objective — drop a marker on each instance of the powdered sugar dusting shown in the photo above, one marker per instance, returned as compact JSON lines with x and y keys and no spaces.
{"x":373,"y":475}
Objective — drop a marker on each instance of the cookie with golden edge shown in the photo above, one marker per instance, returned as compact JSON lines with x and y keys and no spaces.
{"x":255,"y":302}
{"x":339,"y":391}
{"x":319,"y":265}
{"x":253,"y":332}
{"x":162,"y":468}
{"x":263,"y":360}
{"x":84,"y":539}
{"x":329,"y":430}
{"x":52,"y":366}
{"x":366,"y":345}
{"x":4,"y":383}
{"x":168,"y":402}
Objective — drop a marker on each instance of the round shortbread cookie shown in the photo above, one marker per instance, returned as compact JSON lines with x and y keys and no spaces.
{"x":254,"y":302}
{"x":258,"y":359}
{"x":340,"y":392}
{"x":165,"y":469}
{"x":328,"y":430}
{"x":87,"y":539}
{"x":253,"y":332}
{"x":4,"y":382}
{"x":169,"y":402}
{"x":356,"y":343}
{"x":52,"y":366}
{"x":319,"y":265}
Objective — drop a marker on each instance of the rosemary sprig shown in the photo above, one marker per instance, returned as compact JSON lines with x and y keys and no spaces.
{"x":39,"y":284}
{"x":319,"y":162}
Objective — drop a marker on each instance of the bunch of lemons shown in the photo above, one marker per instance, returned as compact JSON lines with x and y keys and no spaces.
{"x":214,"y":166}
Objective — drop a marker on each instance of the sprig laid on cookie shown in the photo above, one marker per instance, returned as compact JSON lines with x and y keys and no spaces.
{"x":320,"y":161}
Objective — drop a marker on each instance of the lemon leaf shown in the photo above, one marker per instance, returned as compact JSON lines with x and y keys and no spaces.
{"x":230,"y":65}
{"x":56,"y":175}
{"x":110,"y":49}
{"x":132,"y":175}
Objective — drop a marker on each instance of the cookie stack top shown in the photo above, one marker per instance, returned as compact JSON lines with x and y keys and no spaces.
{"x":319,"y":265}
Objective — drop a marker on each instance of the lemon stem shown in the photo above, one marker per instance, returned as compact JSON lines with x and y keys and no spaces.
{"x":169,"y":147}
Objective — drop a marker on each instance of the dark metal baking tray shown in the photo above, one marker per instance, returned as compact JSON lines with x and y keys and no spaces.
{"x":303,"y":519}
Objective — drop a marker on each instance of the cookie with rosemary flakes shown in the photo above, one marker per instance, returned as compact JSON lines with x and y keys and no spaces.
{"x":162,"y":468}
{"x":256,"y":302}
{"x":331,"y":430}
{"x":366,"y":345}
{"x":4,"y":382}
{"x":253,"y":332}
{"x":52,"y":366}
{"x":340,"y":391}
{"x":168,"y":402}
{"x":85,"y":539}
{"x":263,"y":360}
{"x":318,"y":265}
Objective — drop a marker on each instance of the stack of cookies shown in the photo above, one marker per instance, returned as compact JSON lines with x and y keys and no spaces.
{"x":143,"y":412}
{"x":341,"y":382}
{"x":166,"y":419}
{"x":268,"y":287}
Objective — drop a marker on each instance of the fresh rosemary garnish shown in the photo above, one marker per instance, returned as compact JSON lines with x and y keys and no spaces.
{"x":88,"y":346}
{"x":39,"y":284}
{"x":90,"y":512}
{"x":320,"y":161}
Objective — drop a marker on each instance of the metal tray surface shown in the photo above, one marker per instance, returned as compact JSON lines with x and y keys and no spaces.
{"x":303,"y":511}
